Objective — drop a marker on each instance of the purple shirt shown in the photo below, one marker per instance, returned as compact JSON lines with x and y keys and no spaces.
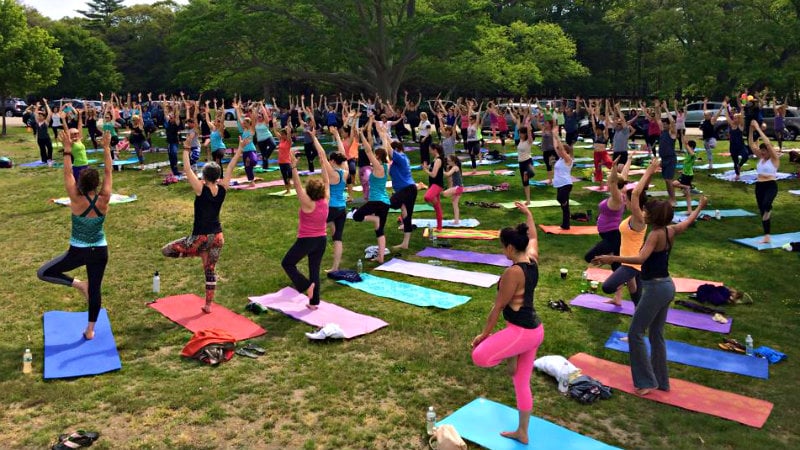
{"x":608,"y":219}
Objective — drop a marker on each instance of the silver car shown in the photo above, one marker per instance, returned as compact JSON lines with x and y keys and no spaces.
{"x":791,"y":122}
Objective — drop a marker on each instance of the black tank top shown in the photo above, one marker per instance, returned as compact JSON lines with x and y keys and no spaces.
{"x":206,"y":211}
{"x":438,"y":177}
{"x":657,"y":264}
{"x":526,"y":316}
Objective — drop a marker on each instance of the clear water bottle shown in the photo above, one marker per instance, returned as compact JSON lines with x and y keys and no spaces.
{"x":717,"y":215}
{"x":748,"y":345}
{"x":430,"y":420}
{"x":359,"y":266}
{"x":434,"y":240}
{"x":156,"y":283}
{"x":430,"y":233}
{"x":585,"y":282}
{"x":27,"y":361}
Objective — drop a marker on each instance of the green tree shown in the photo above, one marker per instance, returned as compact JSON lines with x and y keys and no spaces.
{"x":100,"y":12}
{"x":29,"y":61}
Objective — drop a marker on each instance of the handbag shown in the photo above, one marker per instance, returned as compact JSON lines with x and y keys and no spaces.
{"x":446,"y":437}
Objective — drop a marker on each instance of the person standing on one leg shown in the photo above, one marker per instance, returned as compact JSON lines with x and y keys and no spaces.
{"x":403,"y":185}
{"x":435,"y":183}
{"x":524,"y":156}
{"x":709,"y":134}
{"x":767,"y":170}
{"x":377,"y":207}
{"x":666,"y":150}
{"x":336,"y":167}
{"x":453,"y":173}
{"x":687,"y":175}
{"x":562,"y":178}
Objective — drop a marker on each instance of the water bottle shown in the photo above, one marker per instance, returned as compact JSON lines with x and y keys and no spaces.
{"x":430,"y":420}
{"x":359,"y":266}
{"x":434,"y":241}
{"x":430,"y":233}
{"x":27,"y":361}
{"x":585,"y":282}
{"x":717,"y":215}
{"x":156,"y":283}
{"x":748,"y":345}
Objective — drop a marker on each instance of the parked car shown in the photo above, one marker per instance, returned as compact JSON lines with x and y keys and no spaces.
{"x":694,"y":112}
{"x":14,"y":107}
{"x":791,"y":122}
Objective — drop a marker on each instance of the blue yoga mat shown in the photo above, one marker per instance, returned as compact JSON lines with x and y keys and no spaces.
{"x":778,"y":241}
{"x":481,"y":422}
{"x":705,"y":358}
{"x":33,"y":164}
{"x":67,"y":354}
{"x":405,"y":292}
{"x":681,"y":216}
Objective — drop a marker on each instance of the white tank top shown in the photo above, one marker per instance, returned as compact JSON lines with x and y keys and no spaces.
{"x":765,"y":167}
{"x":562,"y":173}
{"x":523,"y":151}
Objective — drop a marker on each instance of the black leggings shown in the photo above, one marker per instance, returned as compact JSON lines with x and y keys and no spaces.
{"x":608,"y":245}
{"x":474,"y":149}
{"x":266,"y":147}
{"x":562,"y":196}
{"x":337,"y":216}
{"x":95,"y":260}
{"x":620,"y":276}
{"x":311,"y":153}
{"x":425,"y":149}
{"x":45,"y":149}
{"x":373,"y":208}
{"x":766,"y":191}
{"x":314,"y":248}
{"x":739,"y":157}
{"x":406,"y":196}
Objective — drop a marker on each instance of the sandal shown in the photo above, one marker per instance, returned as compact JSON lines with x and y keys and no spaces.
{"x":245,"y":352}
{"x":719,"y":318}
{"x":255,"y":349}
{"x":78,"y":439}
{"x":739,"y":348}
{"x":730,"y":347}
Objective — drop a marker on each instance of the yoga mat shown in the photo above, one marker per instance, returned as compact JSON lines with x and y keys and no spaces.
{"x":292,"y":193}
{"x":678,"y":193}
{"x":60,"y":165}
{"x":573,"y":229}
{"x":681,"y":284}
{"x":778,"y":240}
{"x":539,"y":204}
{"x":418,"y":207}
{"x":605,"y":188}
{"x":249,"y":187}
{"x":268,"y":169}
{"x":726,"y":165}
{"x":67,"y":354}
{"x":683,"y":394}
{"x":432,"y":272}
{"x":447,"y":233}
{"x":293,"y":304}
{"x":678,"y":317}
{"x":482,"y":420}
{"x":794,"y":192}
{"x":185,"y":310}
{"x":124,"y":162}
{"x":748,"y":177}
{"x":682,"y":203}
{"x":465,"y":256}
{"x":407,"y":293}
{"x":680,"y":217}
{"x":115,"y":199}
{"x":305,"y":173}
{"x":241,"y":180}
{"x":463,"y":223}
{"x":34,"y":164}
{"x":705,"y":358}
{"x":477,"y":188}
{"x":467,"y":172}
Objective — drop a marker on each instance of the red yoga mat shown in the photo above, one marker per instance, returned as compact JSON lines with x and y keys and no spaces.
{"x":573,"y":230}
{"x":683,"y":394}
{"x":681,"y":284}
{"x":185,"y":310}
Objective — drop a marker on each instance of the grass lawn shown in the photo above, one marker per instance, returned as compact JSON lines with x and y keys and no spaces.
{"x":370,"y":392}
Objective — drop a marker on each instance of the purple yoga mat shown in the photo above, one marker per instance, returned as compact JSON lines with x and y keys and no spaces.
{"x":293,"y":304}
{"x":432,"y":272}
{"x":466,"y":256}
{"x":677,"y":317}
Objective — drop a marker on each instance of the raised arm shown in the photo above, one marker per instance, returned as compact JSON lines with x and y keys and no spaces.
{"x":684,"y":225}
{"x":614,"y":201}
{"x":641,"y":186}
{"x":226,"y":179}
{"x":108,"y":165}
{"x":69,"y":179}
{"x":533,"y":238}
{"x":773,"y":155}
{"x":197,"y":185}
{"x":377,"y":167}
{"x":560,"y":150}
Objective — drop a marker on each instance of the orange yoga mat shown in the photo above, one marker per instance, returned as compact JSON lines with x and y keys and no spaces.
{"x":574,"y":230}
{"x":681,"y":284}
{"x":683,"y":394}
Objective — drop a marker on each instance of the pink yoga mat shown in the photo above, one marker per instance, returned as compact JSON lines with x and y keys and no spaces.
{"x":605,"y":188}
{"x":432,"y":272}
{"x":683,"y":394}
{"x":185,"y":310}
{"x":573,"y":229}
{"x":681,"y":284}
{"x":247,"y":186}
{"x":293,"y":304}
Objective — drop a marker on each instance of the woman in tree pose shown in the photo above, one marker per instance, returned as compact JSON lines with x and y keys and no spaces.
{"x":600,"y":155}
{"x":520,"y":339}
{"x":403,"y":185}
{"x":80,"y":161}
{"x":435,"y":173}
{"x":247,"y":130}
{"x":87,"y":243}
{"x":216,"y":144}
{"x":206,"y":240}
{"x":562,"y":178}
{"x":336,"y":167}
{"x":453,"y":173}
{"x":264,"y":140}
{"x":739,"y":153}
{"x":524,"y":153}
{"x":377,"y":207}
{"x":41,"y":129}
{"x":767,"y":169}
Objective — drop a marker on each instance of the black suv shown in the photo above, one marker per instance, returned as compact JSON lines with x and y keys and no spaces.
{"x":14,"y":107}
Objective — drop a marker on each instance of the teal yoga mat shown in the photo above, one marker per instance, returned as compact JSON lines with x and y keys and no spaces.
{"x":778,"y":241}
{"x":482,"y":420}
{"x":681,"y":216}
{"x":705,"y":358}
{"x":406,"y":292}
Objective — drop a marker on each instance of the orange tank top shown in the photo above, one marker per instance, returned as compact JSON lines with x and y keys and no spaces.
{"x":631,"y":242}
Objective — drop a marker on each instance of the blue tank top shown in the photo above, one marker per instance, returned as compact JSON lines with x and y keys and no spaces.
{"x":88,"y":231}
{"x":216,"y":141}
{"x":247,"y":134}
{"x":262,"y":132}
{"x":666,"y":144}
{"x":338,"y":194}
{"x":377,"y":186}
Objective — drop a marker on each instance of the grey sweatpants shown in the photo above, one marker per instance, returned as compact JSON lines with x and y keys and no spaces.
{"x":651,"y":315}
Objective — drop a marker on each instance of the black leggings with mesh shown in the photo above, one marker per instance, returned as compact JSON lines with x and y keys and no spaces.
{"x":95,"y":260}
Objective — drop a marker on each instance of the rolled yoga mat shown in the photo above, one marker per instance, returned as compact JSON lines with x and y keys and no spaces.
{"x":464,"y":256}
{"x":681,"y":284}
{"x":573,"y":229}
{"x":185,"y":310}
{"x":705,"y":358}
{"x":432,"y":272}
{"x":67,"y":354}
{"x":481,"y":421}
{"x":293,"y":304}
{"x":406,"y":292}
{"x":676,"y":317}
{"x":778,"y":241}
{"x":683,"y":394}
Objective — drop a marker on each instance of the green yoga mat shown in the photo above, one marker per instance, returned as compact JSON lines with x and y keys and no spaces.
{"x":419,"y":207}
{"x":539,"y":204}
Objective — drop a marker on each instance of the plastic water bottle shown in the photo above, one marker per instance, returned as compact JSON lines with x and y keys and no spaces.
{"x":748,"y":345}
{"x":156,"y":283}
{"x":359,"y":266}
{"x":717,"y":215}
{"x":27,"y":361}
{"x":585,"y":282}
{"x":430,"y":420}
{"x":430,"y":233}
{"x":434,"y":240}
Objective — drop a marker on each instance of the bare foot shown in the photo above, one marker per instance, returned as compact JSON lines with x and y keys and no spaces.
{"x":312,"y":307}
{"x":207,"y":308}
{"x":310,"y":290}
{"x":82,"y":287}
{"x":643,"y":392}
{"x":766,"y":239}
{"x":516,"y":435}
{"x":399,"y":247}
{"x":88,"y":334}
{"x":456,"y":221}
{"x":624,"y":339}
{"x":332,"y":269}
{"x":613,"y":302}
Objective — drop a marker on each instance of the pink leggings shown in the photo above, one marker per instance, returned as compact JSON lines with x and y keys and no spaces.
{"x":512,"y":341}
{"x":432,"y":197}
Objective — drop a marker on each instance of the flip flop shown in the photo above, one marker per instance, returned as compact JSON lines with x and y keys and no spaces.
{"x":719,"y":318}
{"x":78,"y":439}
{"x":246,"y":353}
{"x":255,"y":349}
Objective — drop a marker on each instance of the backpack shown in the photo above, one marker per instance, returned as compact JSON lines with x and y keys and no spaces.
{"x":6,"y":163}
{"x":211,"y":346}
{"x":716,"y":295}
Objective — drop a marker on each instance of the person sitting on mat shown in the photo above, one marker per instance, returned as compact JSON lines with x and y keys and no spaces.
{"x":767,"y":169}
{"x":524,"y":332}
{"x":456,"y":183}
{"x":658,"y":290}
{"x":206,"y":240}
{"x":87,"y":243}
{"x":311,"y":228}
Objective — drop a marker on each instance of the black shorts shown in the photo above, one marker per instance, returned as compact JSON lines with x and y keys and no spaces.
{"x":686,"y":180}
{"x":338,"y":217}
{"x":218,"y":154}
{"x":286,"y":172}
{"x":572,"y":137}
{"x":526,"y":171}
{"x":379,"y":209}
{"x":550,"y":157}
{"x":623,"y":157}
{"x":352,"y":171}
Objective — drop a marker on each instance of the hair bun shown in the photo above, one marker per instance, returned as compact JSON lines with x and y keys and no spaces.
{"x":522,"y":229}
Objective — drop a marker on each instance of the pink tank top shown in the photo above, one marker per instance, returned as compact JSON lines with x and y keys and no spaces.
{"x":313,"y":224}
{"x":608,"y":219}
